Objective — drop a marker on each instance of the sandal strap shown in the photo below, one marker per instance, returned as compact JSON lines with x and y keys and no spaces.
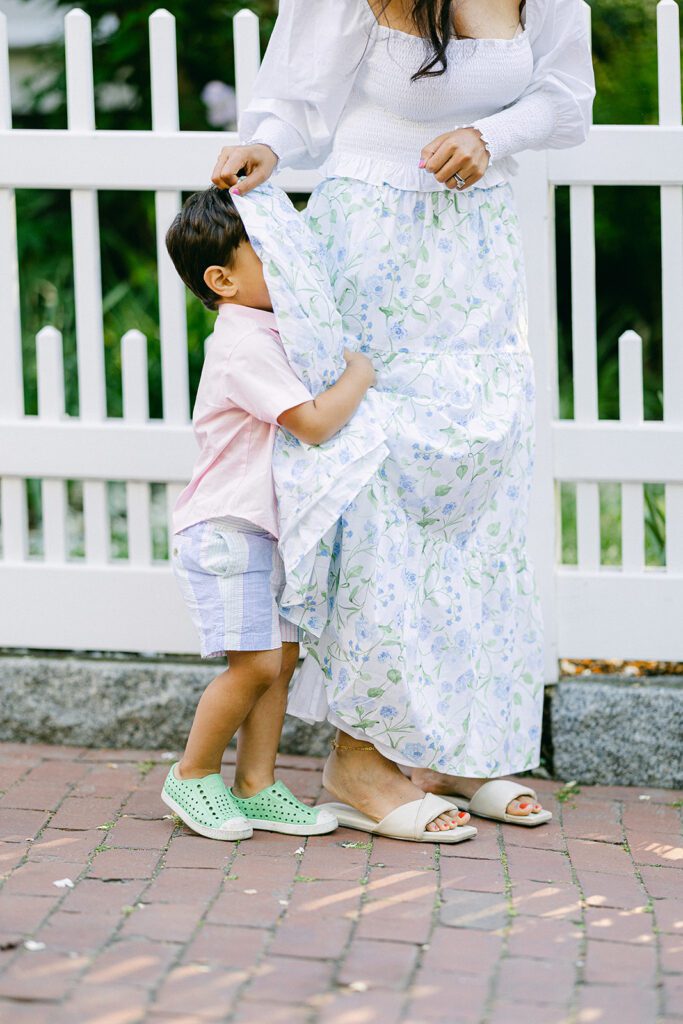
{"x":493,"y":797}
{"x":410,"y":820}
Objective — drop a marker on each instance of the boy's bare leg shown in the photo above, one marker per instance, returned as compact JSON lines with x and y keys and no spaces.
{"x":259,"y":734}
{"x":223,"y":707}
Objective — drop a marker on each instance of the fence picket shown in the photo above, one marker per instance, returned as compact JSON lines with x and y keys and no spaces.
{"x":85,"y":219}
{"x":585,"y":361}
{"x":536,"y":205}
{"x":136,"y":410}
{"x":584,"y":342}
{"x":669,"y":62}
{"x":12,"y":489}
{"x":671,"y":199}
{"x":87,"y":277}
{"x":247,"y":55}
{"x":172,"y":314}
{"x":11,"y":380}
{"x":173,"y":491}
{"x":631,"y":411}
{"x":50,"y":359}
{"x":588,"y":525}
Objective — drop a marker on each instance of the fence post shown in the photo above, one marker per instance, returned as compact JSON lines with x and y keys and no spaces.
{"x":535,"y":200}
{"x":671,"y":199}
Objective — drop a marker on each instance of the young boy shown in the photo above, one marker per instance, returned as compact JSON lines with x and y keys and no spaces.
{"x":225,"y":553}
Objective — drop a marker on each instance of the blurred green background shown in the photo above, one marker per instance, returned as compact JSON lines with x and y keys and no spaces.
{"x":627,"y":219}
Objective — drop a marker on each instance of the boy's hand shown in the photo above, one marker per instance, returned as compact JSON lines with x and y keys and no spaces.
{"x":317,"y":421}
{"x":258,"y":161}
{"x":360,"y":364}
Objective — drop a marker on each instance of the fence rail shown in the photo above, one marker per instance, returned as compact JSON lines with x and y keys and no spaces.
{"x":57,"y":601}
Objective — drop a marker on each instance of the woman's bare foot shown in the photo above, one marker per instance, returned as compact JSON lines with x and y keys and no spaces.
{"x":372,"y":784}
{"x":454,"y":785}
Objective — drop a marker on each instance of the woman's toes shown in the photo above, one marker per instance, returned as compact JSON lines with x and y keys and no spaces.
{"x":440,"y":824}
{"x":463,"y":817}
{"x":519,"y":807}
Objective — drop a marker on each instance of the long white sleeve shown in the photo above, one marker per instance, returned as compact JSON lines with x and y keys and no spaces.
{"x":555,"y":109}
{"x":312,"y":59}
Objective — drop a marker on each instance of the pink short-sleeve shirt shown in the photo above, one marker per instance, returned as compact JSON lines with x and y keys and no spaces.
{"x":246,"y":384}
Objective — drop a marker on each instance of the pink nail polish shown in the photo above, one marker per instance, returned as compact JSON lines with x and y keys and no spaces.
{"x":235,"y":191}
{"x":422,"y":163}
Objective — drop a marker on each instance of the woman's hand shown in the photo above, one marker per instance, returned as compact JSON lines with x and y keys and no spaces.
{"x":462,"y":151}
{"x":258,"y":161}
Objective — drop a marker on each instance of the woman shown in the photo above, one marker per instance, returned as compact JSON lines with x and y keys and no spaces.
{"x":432,"y":656}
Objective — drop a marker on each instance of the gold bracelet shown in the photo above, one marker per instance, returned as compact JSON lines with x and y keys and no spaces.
{"x":347,"y":746}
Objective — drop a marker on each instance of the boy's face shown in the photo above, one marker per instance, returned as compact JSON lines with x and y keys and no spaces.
{"x":241,"y":283}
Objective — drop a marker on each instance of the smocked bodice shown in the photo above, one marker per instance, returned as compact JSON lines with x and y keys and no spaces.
{"x":388,"y":118}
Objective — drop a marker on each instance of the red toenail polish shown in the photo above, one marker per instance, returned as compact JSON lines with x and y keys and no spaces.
{"x":523,"y":806}
{"x":461,"y":814}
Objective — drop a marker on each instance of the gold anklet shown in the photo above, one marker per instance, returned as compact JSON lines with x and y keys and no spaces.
{"x":347,"y":746}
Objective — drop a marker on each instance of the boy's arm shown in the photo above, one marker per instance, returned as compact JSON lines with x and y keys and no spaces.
{"x":318,"y":420}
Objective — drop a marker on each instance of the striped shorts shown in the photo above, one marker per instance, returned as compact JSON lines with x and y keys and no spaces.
{"x":231,"y":577}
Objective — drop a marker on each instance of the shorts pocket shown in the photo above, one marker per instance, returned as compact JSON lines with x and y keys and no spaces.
{"x":204,"y":548}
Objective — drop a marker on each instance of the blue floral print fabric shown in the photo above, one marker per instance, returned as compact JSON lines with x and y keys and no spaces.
{"x":424,"y":626}
{"x":433,"y":645}
{"x":314,"y":484}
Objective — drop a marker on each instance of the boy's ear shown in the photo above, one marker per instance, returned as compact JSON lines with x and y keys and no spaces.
{"x":219,"y":280}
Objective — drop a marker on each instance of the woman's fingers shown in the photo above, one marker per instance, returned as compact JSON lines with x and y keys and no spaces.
{"x":456,"y":165}
{"x":256,"y":176}
{"x":230,"y":160}
{"x":431,"y":148}
{"x":448,"y":159}
{"x":258,"y":161}
{"x":444,"y":166}
{"x":461,"y":151}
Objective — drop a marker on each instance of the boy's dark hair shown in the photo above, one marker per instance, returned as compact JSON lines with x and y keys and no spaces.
{"x":206,"y":232}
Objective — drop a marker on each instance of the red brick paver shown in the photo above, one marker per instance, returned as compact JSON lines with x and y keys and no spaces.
{"x":580,"y":922}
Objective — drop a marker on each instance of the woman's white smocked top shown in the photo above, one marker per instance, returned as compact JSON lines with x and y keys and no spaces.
{"x":335,"y":90}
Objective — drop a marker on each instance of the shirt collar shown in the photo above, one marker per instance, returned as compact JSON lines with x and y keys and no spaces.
{"x":263,"y":317}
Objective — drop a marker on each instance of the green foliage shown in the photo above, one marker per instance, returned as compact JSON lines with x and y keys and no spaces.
{"x":205,"y":53}
{"x":624,"y":36}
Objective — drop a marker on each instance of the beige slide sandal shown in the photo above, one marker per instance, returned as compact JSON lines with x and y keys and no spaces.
{"x":408,"y":821}
{"x":492,"y":798}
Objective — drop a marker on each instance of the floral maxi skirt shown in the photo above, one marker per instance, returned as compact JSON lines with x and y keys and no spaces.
{"x":433,"y":645}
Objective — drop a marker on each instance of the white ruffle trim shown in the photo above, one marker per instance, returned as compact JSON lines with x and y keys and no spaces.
{"x":400,"y":175}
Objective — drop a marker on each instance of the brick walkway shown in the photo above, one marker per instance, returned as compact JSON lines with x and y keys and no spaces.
{"x":578,"y":922}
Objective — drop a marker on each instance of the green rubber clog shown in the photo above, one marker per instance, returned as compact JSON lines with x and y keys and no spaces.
{"x":206,"y":806}
{"x":276,"y":809}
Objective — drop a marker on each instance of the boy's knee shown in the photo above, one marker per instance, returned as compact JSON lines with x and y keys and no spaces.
{"x":290,"y":656}
{"x":265,"y":669}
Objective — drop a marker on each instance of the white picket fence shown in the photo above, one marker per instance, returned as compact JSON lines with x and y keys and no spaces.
{"x":95,"y":603}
